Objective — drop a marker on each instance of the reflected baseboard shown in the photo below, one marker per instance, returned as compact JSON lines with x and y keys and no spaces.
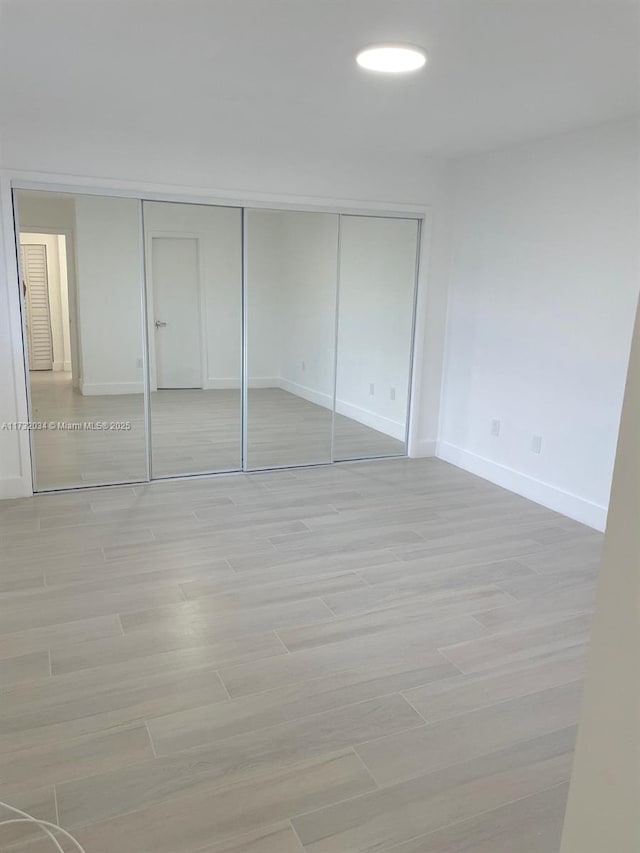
{"x":96,"y":389}
{"x":395,"y":429}
{"x":310,"y":394}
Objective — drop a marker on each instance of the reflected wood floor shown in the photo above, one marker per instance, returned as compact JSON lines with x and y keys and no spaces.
{"x":193,"y":431}
{"x":383,"y":656}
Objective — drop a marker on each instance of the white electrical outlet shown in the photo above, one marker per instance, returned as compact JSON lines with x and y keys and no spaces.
{"x":372,"y":389}
{"x":536,"y":444}
{"x":495,"y":427}
{"x":392,"y":394}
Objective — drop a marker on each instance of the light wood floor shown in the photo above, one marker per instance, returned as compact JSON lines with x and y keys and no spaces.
{"x":384,"y":656}
{"x":193,"y":431}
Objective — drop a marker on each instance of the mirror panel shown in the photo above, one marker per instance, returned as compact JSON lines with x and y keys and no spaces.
{"x":328,"y":325}
{"x":375,"y":327}
{"x":194,"y":304}
{"x":82,"y":311}
{"x":291,"y":302}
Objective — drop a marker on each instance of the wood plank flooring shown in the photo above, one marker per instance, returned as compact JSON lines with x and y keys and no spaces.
{"x":383,"y":656}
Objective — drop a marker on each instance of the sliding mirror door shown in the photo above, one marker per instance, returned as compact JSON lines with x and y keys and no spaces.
{"x":82,"y":316}
{"x":193,"y":259}
{"x":136,"y":315}
{"x":378,"y":260}
{"x":291,"y":259}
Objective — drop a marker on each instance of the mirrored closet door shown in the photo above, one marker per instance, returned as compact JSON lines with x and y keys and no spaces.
{"x":80,"y":270}
{"x":167,"y":339}
{"x":291,"y":283}
{"x":193,"y":262}
{"x":378,"y":268}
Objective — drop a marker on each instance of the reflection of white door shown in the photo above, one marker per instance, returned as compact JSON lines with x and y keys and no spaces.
{"x":38,"y":319}
{"x":176,"y":319}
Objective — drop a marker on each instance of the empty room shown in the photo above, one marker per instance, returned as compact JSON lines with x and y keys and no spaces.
{"x":319,"y":426}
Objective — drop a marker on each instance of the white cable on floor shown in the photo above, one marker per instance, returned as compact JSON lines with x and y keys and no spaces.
{"x":44,"y":825}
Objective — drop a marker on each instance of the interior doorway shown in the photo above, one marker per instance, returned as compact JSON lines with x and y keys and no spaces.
{"x":45,"y":285}
{"x":35,"y":285}
{"x":176,"y":312}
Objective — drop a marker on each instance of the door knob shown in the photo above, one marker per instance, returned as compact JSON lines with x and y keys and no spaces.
{"x":160,"y":323}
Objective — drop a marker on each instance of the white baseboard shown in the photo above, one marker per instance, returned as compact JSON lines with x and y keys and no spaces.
{"x":15,"y":487}
{"x":545,"y":494}
{"x":96,"y":389}
{"x":216,"y":384}
{"x":356,"y":413}
{"x":310,"y":394}
{"x":395,"y":429}
{"x":264,"y":382}
{"x":222,"y":384}
{"x":423,"y":449}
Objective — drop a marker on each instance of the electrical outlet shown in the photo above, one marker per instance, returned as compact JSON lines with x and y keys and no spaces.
{"x":392,"y":394}
{"x":536,"y":444}
{"x":139,"y":363}
{"x":495,"y":427}
{"x":372,"y":389}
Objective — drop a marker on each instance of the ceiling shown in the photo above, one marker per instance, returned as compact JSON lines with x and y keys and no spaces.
{"x":281,"y":73}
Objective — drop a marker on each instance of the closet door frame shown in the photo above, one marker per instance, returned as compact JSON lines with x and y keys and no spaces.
{"x":75,"y":186}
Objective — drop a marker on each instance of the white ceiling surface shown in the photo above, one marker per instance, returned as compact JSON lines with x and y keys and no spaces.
{"x":231,"y":75}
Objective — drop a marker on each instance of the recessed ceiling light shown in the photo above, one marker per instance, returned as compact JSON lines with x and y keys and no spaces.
{"x":391,"y":58}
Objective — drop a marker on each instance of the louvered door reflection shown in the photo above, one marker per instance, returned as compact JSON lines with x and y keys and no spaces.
{"x":38,"y":320}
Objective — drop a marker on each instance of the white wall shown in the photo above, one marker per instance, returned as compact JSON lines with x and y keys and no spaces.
{"x":543,"y":288}
{"x":308,"y":305}
{"x":291,"y":275}
{"x":108,"y":248}
{"x":377,"y":285}
{"x":264,"y":297}
{"x":64,"y":301}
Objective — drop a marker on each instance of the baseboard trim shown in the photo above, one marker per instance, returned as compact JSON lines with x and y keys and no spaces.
{"x":362,"y":416}
{"x":222,"y":384}
{"x":264,"y":382}
{"x":566,"y":503}
{"x":97,"y":389}
{"x":423,"y":449}
{"x":15,"y":487}
{"x":371,"y":419}
{"x":310,"y":394}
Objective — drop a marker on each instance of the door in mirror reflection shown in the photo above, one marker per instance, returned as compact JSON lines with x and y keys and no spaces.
{"x":82,"y":309}
{"x":291,"y":302}
{"x":378,"y":259}
{"x":194,"y":305}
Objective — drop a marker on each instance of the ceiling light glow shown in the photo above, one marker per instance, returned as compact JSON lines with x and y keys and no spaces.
{"x":391,"y":58}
